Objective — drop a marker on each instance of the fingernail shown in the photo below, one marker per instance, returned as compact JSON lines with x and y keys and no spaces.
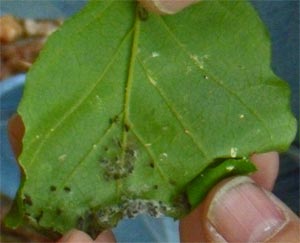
{"x":243,"y":212}
{"x":171,"y":6}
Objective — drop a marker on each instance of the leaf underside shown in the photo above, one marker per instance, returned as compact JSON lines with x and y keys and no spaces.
{"x":124,"y":109}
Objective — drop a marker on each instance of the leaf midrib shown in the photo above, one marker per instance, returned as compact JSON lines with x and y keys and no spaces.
{"x":81,"y":101}
{"x":127,"y":91}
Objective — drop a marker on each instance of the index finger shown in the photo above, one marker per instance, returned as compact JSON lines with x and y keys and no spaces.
{"x":166,"y":6}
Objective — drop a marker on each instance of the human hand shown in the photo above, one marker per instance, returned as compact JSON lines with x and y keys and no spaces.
{"x":240,"y":209}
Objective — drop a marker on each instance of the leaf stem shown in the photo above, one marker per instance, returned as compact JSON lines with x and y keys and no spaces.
{"x":134,"y":49}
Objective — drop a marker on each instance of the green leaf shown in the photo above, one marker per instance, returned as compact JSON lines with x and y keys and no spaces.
{"x":123,"y":110}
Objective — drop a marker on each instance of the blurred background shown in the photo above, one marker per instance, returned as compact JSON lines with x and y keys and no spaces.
{"x":25,"y":26}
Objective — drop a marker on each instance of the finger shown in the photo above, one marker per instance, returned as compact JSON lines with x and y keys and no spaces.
{"x":267,"y":169}
{"x":75,"y":236}
{"x":238,"y":210}
{"x":267,"y":165}
{"x":106,"y":236}
{"x":190,"y":227}
{"x":16,"y":131}
{"x":78,"y":236}
{"x":166,"y":6}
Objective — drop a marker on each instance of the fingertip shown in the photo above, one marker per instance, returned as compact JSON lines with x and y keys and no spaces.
{"x":191,"y":228}
{"x":238,"y":210}
{"x":166,"y":6}
{"x":106,"y":236}
{"x":267,"y":169}
{"x":75,"y":236}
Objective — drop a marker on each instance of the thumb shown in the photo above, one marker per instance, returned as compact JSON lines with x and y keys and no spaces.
{"x":238,"y":210}
{"x":166,"y":6}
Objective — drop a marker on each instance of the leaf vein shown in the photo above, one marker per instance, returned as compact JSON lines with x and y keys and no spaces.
{"x":151,"y":154}
{"x":176,"y":115}
{"x":105,"y":133}
{"x":215,"y":80}
{"x":80,"y":101}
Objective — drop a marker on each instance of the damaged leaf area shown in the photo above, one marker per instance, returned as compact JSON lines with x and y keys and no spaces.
{"x":125,"y":110}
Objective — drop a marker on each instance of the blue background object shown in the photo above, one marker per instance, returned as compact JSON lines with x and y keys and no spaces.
{"x":282,"y":21}
{"x":10,"y":94}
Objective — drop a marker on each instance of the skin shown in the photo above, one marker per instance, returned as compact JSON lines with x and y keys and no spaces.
{"x":193,"y":228}
{"x":166,"y":6}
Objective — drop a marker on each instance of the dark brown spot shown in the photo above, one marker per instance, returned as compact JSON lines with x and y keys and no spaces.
{"x":104,"y":161}
{"x":172,"y":182}
{"x":27,"y":200}
{"x":126,"y":127}
{"x":151,"y":164}
{"x":116,"y":176}
{"x":182,"y":204}
{"x":130,"y":152}
{"x":67,"y":189}
{"x":80,"y":223}
{"x":114,"y":119}
{"x":58,"y":211}
{"x":119,"y":143}
{"x":39,"y":216}
{"x":52,"y":188}
{"x":143,"y":13}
